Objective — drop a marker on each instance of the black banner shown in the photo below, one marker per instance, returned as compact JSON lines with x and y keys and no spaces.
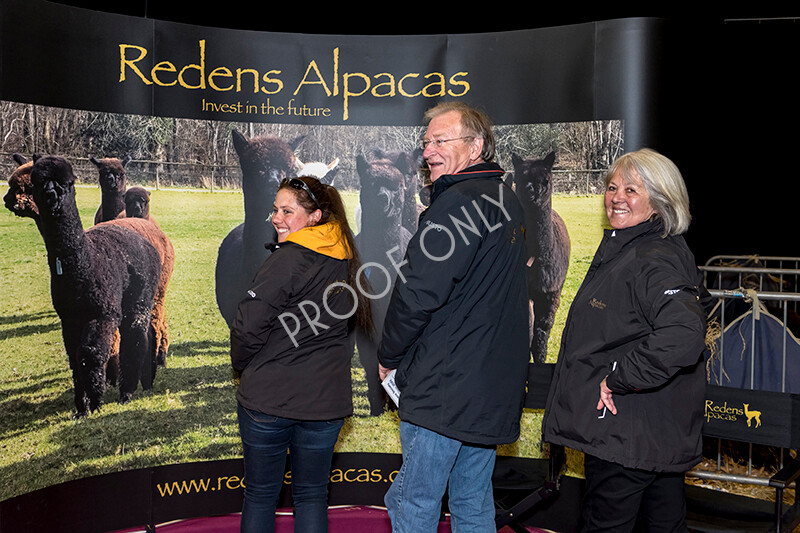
{"x":760,"y":417}
{"x":103,"y":62}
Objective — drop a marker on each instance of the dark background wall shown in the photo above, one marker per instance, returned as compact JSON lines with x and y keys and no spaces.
{"x":415,"y":18}
{"x":730,"y":107}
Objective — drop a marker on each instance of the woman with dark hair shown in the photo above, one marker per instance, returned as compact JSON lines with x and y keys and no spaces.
{"x":289,"y":343}
{"x":629,"y":383}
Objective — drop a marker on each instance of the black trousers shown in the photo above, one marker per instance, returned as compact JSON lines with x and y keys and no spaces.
{"x":620,"y":499}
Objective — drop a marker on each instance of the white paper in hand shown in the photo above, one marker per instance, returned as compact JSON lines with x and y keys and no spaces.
{"x":391,"y":388}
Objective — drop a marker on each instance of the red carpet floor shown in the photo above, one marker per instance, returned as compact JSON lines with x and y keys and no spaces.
{"x":357,"y":519}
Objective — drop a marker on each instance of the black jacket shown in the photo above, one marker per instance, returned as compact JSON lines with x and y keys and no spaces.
{"x":293,"y":367}
{"x":640,"y":306}
{"x":457,"y":324}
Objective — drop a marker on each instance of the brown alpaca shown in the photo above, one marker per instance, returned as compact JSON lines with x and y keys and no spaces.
{"x":116,"y":196}
{"x":19,"y":198}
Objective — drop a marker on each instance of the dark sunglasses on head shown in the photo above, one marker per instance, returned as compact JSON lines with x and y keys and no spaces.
{"x":300,"y":185}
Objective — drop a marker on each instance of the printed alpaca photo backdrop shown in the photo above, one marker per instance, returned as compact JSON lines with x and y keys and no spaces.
{"x":159,"y":176}
{"x":210,"y":240}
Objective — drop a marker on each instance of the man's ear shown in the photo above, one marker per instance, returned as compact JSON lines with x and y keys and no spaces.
{"x":477,"y":147}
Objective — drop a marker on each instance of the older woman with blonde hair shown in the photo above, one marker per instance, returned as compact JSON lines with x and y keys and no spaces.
{"x":629,"y":383}
{"x":663,"y":182}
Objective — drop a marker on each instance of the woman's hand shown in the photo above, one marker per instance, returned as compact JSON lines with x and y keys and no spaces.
{"x":383,"y":371}
{"x":606,"y":398}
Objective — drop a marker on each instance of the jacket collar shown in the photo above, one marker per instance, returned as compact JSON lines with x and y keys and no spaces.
{"x":479,"y":171}
{"x":325,"y":239}
{"x":616,"y":239}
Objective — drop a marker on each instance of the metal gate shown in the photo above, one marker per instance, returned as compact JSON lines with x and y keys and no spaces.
{"x":750,"y":289}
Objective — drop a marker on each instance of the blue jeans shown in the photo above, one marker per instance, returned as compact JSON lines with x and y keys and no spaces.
{"x":430,"y":462}
{"x":265,"y":440}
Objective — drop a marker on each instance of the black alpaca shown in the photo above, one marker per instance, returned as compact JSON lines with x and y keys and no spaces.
{"x":19,"y":200}
{"x":112,"y":186}
{"x":265,"y":161}
{"x":101,"y":280}
{"x":382,"y":198}
{"x":547,"y":244}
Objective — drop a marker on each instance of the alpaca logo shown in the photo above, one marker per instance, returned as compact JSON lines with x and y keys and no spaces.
{"x":725,"y":413}
{"x":597,"y":304}
{"x":752,"y":416}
